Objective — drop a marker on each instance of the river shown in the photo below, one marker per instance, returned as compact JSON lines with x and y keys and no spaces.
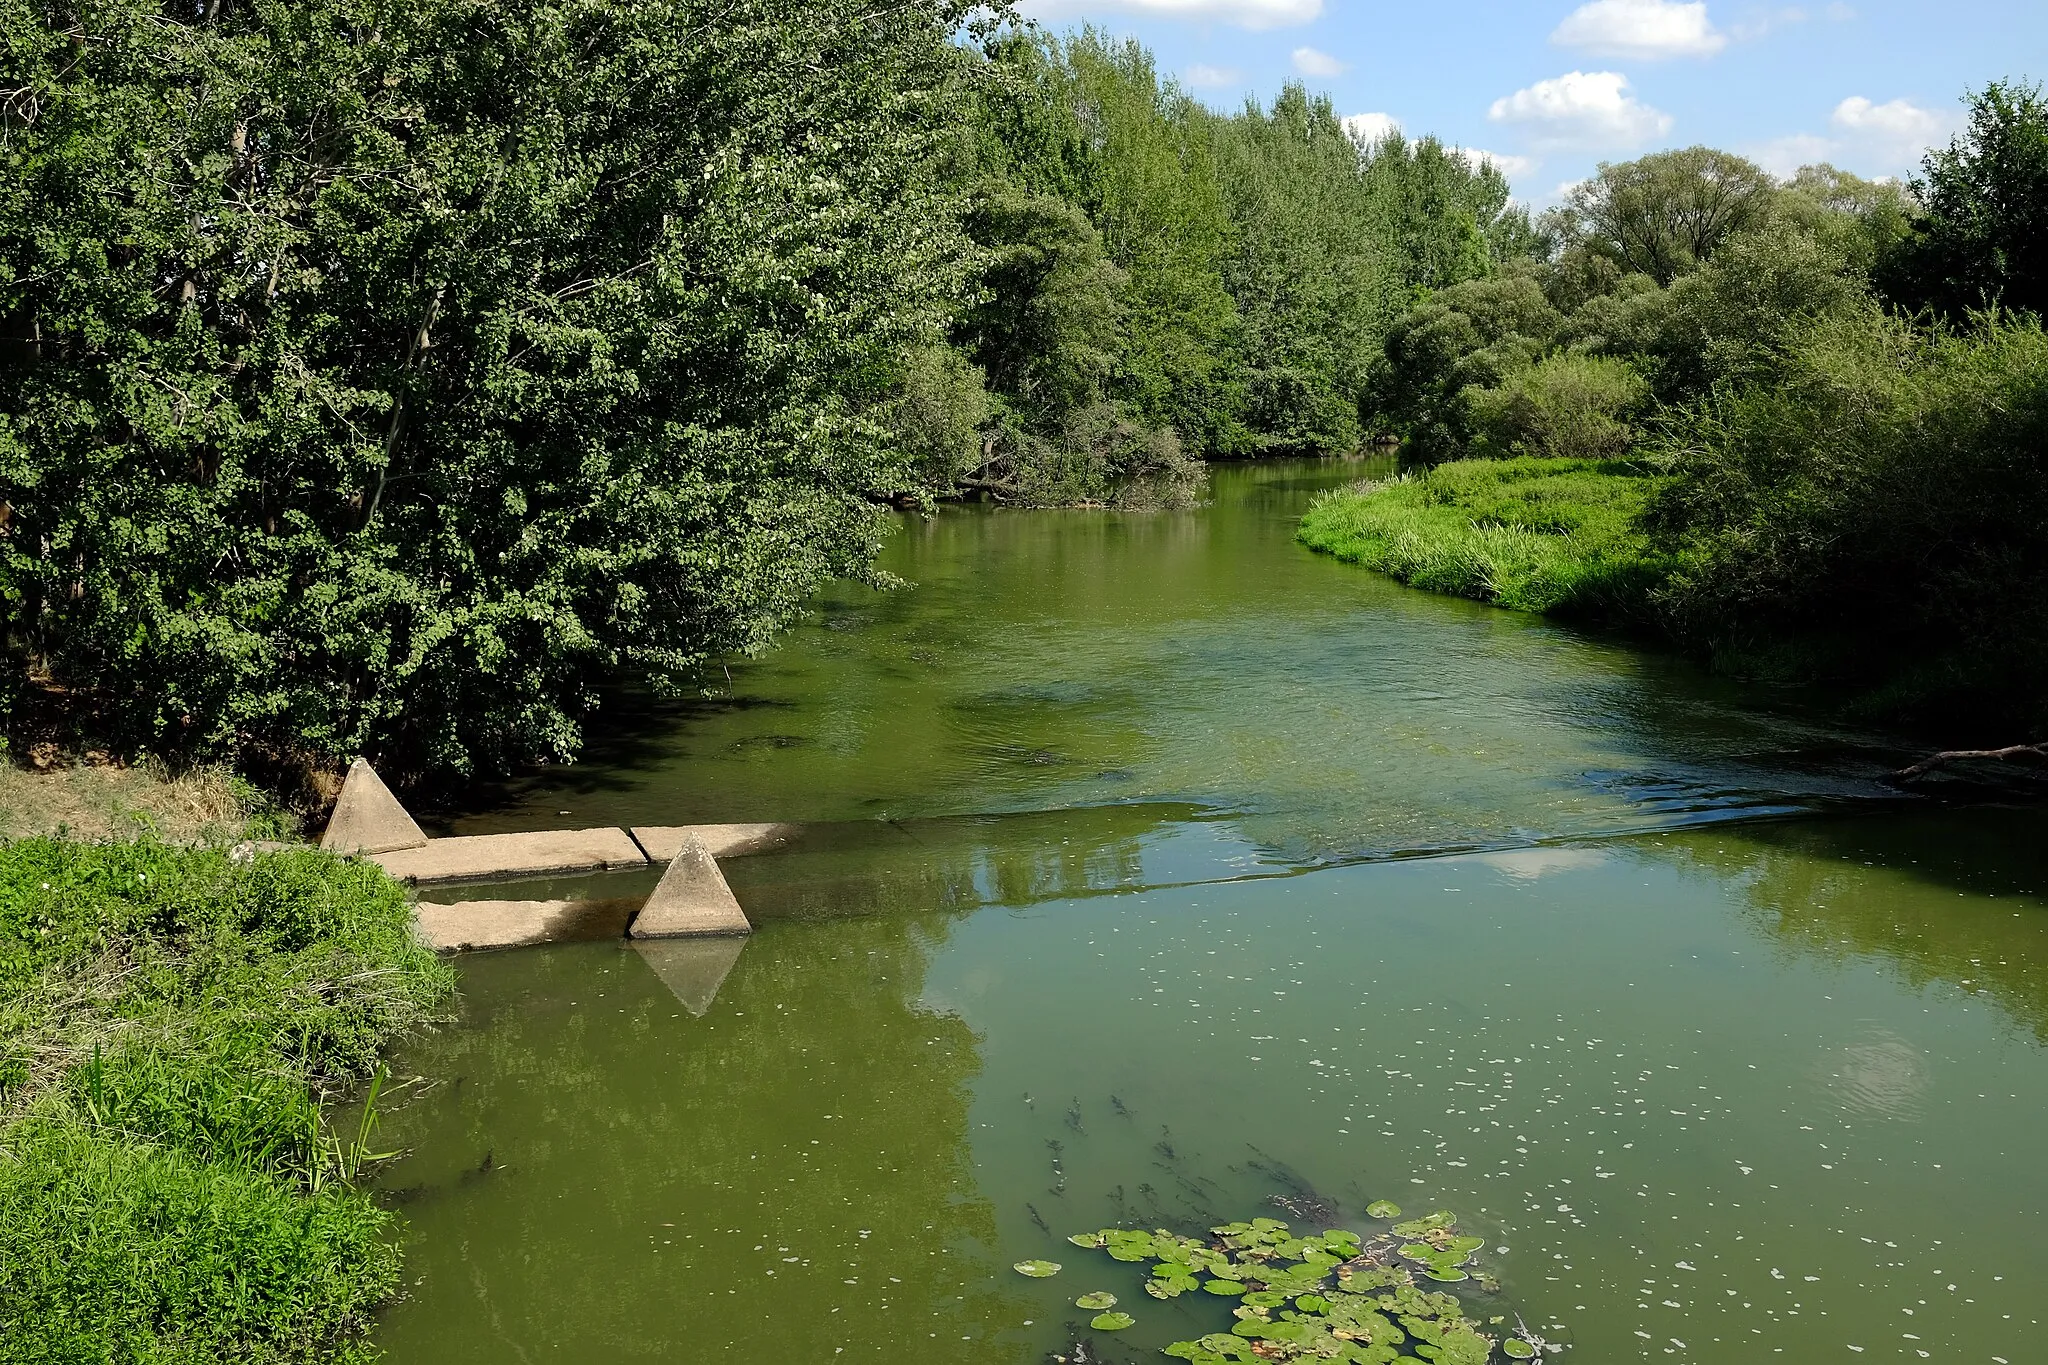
{"x":1155,"y":867}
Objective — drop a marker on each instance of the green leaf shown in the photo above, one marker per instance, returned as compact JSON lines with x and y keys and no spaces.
{"x":1096,"y":1301}
{"x":1224,"y":1288}
{"x":1112,"y":1322}
{"x":1383,"y":1208}
{"x":1514,"y":1348}
{"x":1037,"y":1270}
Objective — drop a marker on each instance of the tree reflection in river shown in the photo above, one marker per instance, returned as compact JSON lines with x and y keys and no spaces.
{"x":783,"y":1177}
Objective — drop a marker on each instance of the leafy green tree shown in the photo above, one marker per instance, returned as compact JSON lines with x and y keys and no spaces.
{"x":1312,"y":277}
{"x":1860,"y":220}
{"x":1982,"y":240}
{"x":1472,"y":334}
{"x":390,"y":373}
{"x":1445,"y":219}
{"x":1664,"y":215}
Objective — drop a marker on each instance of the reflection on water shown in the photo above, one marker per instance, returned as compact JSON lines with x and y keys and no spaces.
{"x":603,"y":1176}
{"x":1694,"y":1104}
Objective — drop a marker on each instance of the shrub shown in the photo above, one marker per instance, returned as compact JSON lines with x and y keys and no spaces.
{"x":1567,"y":406}
{"x":1887,"y":484}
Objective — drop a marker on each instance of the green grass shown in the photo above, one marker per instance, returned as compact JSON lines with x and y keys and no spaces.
{"x":1556,"y":536}
{"x":175,"y":1027}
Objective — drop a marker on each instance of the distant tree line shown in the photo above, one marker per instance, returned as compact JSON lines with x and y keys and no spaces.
{"x":382,"y":376}
{"x":1839,"y":388}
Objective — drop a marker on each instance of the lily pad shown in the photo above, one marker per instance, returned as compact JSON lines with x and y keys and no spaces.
{"x":1091,"y":1240}
{"x":1096,"y":1302}
{"x":1514,"y":1348}
{"x":1037,"y":1270}
{"x":1111,"y":1322}
{"x":1383,"y":1208}
{"x":1317,"y":1299}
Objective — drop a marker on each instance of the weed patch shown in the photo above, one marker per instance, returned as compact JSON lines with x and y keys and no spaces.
{"x":175,"y":1026}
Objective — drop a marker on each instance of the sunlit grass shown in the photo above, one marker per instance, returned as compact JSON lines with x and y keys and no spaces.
{"x":175,"y":1026}
{"x":1535,"y":535}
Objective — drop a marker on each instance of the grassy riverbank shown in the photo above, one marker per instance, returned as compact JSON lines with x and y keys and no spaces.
{"x":173,"y":1027}
{"x":1556,"y":536}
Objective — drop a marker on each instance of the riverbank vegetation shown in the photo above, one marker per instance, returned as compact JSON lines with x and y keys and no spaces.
{"x":175,"y":1028}
{"x":1532,"y":534}
{"x":1801,"y":424}
{"x":394,"y":385}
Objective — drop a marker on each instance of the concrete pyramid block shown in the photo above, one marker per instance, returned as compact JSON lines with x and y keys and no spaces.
{"x":368,"y":818}
{"x":692,"y":968}
{"x":691,"y":900}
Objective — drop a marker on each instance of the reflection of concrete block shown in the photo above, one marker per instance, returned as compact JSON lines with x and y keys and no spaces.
{"x":692,"y":899}
{"x":663,"y":842}
{"x":692,"y":968}
{"x":511,"y":924}
{"x":368,"y":818}
{"x":502,"y":857}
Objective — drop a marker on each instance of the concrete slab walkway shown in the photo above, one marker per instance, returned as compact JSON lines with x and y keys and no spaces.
{"x":663,"y":842}
{"x":504,"y":857}
{"x":472,"y":925}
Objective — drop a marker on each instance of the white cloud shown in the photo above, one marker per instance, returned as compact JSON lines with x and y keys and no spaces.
{"x":1367,"y":129}
{"x":1592,"y":109}
{"x":1647,"y":29}
{"x":1898,"y":120}
{"x":1513,"y":167}
{"x":1782,"y":156}
{"x":1310,"y":62}
{"x":1254,"y":14}
{"x":1212,"y":77}
{"x":1869,"y":138}
{"x":1762,"y":23}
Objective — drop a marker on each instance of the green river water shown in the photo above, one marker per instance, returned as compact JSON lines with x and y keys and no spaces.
{"x":1155,"y":867}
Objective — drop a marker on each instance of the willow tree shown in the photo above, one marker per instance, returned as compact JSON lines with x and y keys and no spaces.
{"x":385,"y":374}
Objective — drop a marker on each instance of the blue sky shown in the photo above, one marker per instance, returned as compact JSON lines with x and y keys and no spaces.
{"x":1553,"y":87}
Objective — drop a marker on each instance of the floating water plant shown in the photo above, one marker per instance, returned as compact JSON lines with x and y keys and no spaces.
{"x":1331,"y":1296}
{"x":1382,"y":1208}
{"x":1037,"y":1270}
{"x":1096,"y":1302}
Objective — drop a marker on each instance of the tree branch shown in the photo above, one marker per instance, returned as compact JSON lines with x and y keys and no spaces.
{"x":1942,"y":760}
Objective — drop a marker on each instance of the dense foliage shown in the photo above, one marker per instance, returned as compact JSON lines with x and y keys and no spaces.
{"x":1832,"y":464}
{"x":385,"y":377}
{"x":1163,"y":283}
{"x":392,"y":372}
{"x":171,"y":1022}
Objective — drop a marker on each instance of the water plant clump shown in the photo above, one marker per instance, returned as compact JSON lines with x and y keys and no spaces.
{"x":1330,"y":1296}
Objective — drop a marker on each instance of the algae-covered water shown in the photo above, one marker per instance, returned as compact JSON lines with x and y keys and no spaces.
{"x":1157,"y":868}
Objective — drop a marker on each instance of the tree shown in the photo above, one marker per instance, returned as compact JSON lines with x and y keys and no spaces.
{"x":1982,"y":239}
{"x":1314,"y":280}
{"x":393,"y":374}
{"x":1665,"y":214}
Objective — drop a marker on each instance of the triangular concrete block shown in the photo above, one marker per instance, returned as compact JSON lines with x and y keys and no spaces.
{"x":692,"y":968}
{"x":692,"y":899}
{"x":368,"y":818}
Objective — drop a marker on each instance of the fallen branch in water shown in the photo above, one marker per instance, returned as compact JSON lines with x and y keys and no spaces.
{"x":1942,"y":760}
